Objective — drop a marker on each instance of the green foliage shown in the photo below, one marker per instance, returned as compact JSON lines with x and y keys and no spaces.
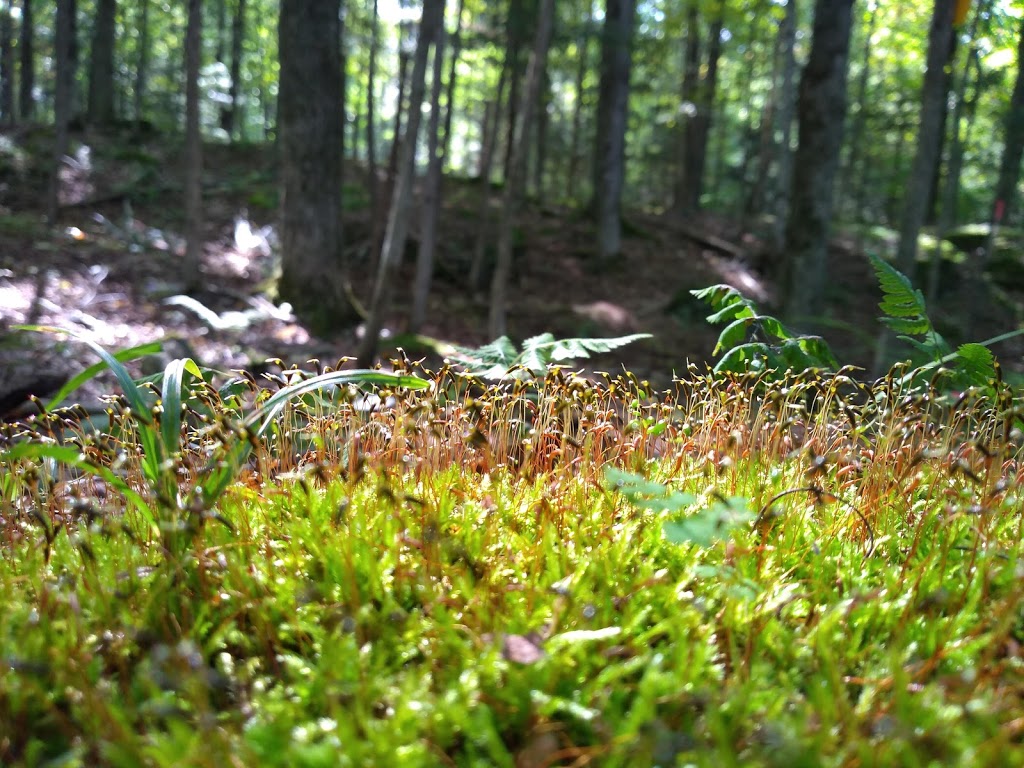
{"x":501,"y":360}
{"x":755,"y":342}
{"x":160,"y":428}
{"x":703,"y":528}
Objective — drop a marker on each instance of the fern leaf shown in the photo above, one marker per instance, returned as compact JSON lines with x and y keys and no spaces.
{"x":976,"y":362}
{"x":902,"y":304}
{"x":573,"y":349}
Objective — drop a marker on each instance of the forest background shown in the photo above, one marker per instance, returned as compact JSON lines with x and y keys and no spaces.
{"x":176,"y":171}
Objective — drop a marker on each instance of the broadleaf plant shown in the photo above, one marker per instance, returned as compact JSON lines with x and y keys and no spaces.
{"x":752,"y":341}
{"x":501,"y":360}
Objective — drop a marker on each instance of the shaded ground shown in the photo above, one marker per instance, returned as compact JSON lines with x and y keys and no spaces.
{"x":111,"y":269}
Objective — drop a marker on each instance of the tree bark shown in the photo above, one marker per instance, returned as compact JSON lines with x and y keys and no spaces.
{"x":193,"y":147}
{"x":489,"y":141}
{"x":582,"y":60}
{"x":310,"y":103}
{"x":372,"y":184}
{"x":231,"y":115}
{"x":61,"y":101}
{"x":516,"y":34}
{"x":688,"y":99}
{"x":782,"y":130}
{"x":933,"y":108}
{"x":857,"y":154}
{"x":954,"y":165}
{"x":822,"y":112}
{"x":699,"y":127}
{"x":101,"y":64}
{"x":401,"y":198}
{"x":616,"y":61}
{"x":430,"y":203}
{"x":26,"y":41}
{"x":142,"y":64}
{"x":6,"y":64}
{"x":449,"y":102}
{"x":516,"y":182}
{"x":1013,"y":146}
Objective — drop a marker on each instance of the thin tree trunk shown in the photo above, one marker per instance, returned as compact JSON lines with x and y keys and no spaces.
{"x":786,"y":113}
{"x":396,"y":141}
{"x":699,"y":128}
{"x":61,"y":101}
{"x":954,"y":165}
{"x":222,"y":31}
{"x":615,"y":66}
{"x":232,"y":115}
{"x":487,"y":152}
{"x":27,"y":101}
{"x":515,"y":183}
{"x":142,"y":64}
{"x":401,"y":198}
{"x":449,"y":102}
{"x":582,"y":60}
{"x":6,"y":64}
{"x":822,"y":113}
{"x":689,"y":98}
{"x":431,"y":198}
{"x":101,"y":64}
{"x":540,"y":154}
{"x":513,"y":56}
{"x":1006,"y":189}
{"x":857,"y":154}
{"x":193,"y":148}
{"x":933,"y":100}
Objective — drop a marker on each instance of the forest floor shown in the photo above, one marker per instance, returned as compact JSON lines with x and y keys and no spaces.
{"x":112,"y":269}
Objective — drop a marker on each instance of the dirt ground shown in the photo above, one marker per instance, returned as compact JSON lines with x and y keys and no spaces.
{"x":110,"y":269}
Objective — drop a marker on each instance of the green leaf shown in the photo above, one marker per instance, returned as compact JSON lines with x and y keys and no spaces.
{"x":733,"y":334}
{"x":902,"y":304}
{"x":123,"y":356}
{"x":710,"y":525}
{"x":976,"y":362}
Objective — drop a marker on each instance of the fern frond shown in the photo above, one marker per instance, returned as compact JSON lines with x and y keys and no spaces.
{"x":902,"y":304}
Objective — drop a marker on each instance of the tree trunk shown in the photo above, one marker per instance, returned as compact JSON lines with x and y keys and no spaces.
{"x":688,"y":99}
{"x":430,"y":203}
{"x":62,"y":44}
{"x":616,"y":61}
{"x":822,"y":112}
{"x":6,"y":64}
{"x":854,"y":172}
{"x":401,"y":197}
{"x":1013,"y":146}
{"x":372,"y":185}
{"x":582,"y":60}
{"x":396,"y":140}
{"x":786,"y":110}
{"x":540,"y":154}
{"x":230,"y":121}
{"x":193,"y":147}
{"x":487,"y":151}
{"x":516,"y":34}
{"x":516,"y":182}
{"x":26,"y":97}
{"x":142,"y":64}
{"x":101,"y":64}
{"x":449,"y":103}
{"x":954,"y":166}
{"x":1006,"y":189}
{"x":699,"y":127}
{"x":222,"y":29}
{"x":933,"y":100}
{"x":310,"y":103}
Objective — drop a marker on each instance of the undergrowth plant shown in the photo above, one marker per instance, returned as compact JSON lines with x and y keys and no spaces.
{"x":753,"y":341}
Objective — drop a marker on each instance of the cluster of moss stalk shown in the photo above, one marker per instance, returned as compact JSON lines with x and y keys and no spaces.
{"x":422,"y":568}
